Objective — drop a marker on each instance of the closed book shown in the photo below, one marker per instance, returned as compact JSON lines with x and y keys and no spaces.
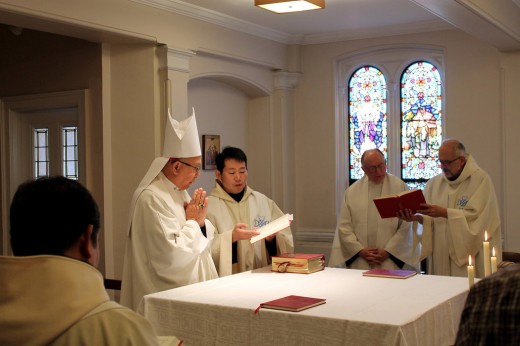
{"x":388,"y":206}
{"x":302,"y":263}
{"x":390,"y":273}
{"x":292,"y":303}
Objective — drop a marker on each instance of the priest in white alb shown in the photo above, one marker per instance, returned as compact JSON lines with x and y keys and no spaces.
{"x":237,"y":211}
{"x":363,"y":240}
{"x":461,"y":207}
{"x":169,"y":238}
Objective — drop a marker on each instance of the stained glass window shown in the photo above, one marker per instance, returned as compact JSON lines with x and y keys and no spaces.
{"x":41,"y":152}
{"x":367,"y":101}
{"x":70,"y":152}
{"x":421,"y":123}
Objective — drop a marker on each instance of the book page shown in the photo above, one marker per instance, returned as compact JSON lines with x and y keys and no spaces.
{"x":273,"y":227}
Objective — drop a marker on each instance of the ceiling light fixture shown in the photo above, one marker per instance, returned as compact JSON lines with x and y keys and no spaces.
{"x":285,"y":6}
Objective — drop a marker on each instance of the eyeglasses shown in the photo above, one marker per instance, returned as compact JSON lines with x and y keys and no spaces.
{"x":448,"y":162}
{"x":197,"y":169}
{"x":373,"y":169}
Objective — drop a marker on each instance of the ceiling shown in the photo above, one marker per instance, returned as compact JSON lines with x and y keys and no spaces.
{"x":496,"y":21}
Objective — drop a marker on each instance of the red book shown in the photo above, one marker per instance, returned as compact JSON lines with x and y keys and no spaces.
{"x":388,"y":206}
{"x":304,"y":263}
{"x":390,"y":273}
{"x":293,"y":303}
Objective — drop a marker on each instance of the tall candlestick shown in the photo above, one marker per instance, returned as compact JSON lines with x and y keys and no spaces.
{"x":487,"y":260}
{"x":471,"y":273}
{"x":493,"y":262}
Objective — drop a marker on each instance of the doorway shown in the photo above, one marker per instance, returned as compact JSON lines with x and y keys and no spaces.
{"x":40,"y":135}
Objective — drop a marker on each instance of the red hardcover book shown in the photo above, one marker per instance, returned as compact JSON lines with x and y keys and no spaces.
{"x":388,"y":206}
{"x":293,"y":303}
{"x":390,"y":273}
{"x":304,"y":263}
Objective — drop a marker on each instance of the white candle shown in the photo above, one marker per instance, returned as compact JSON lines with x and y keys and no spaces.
{"x":471,"y":273}
{"x":493,"y":262}
{"x":486,"y":257}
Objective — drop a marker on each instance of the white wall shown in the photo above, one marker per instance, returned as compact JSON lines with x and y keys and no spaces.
{"x":221,"y":110}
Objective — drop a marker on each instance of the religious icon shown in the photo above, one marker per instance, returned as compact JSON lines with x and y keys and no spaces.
{"x":211,"y":145}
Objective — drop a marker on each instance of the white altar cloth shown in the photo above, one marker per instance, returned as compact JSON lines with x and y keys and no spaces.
{"x":421,"y":310}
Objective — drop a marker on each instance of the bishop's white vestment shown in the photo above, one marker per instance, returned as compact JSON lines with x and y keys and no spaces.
{"x":164,"y":250}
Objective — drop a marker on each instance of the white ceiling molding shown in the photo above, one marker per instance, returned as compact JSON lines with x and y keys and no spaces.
{"x":503,"y":14}
{"x":217,"y":18}
{"x":220,"y":19}
{"x":434,"y":25}
{"x":472,"y":23}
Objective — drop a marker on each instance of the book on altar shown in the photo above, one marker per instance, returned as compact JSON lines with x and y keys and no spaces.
{"x":303,"y":263}
{"x":293,"y":303}
{"x":272,"y":227}
{"x":390,"y":273}
{"x":388,"y":206}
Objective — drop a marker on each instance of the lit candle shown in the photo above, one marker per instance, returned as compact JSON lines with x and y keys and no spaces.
{"x":493,"y":262}
{"x":486,"y":258}
{"x":471,"y":273}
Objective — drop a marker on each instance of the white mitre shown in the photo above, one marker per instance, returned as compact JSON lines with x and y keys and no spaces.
{"x":181,"y":140}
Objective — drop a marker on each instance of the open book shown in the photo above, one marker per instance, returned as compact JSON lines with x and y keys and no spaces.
{"x":298,"y":263}
{"x":273,"y":227}
{"x":388,"y":206}
{"x":292,"y":303}
{"x":390,"y":273}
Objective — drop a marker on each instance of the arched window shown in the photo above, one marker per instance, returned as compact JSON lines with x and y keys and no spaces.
{"x":385,"y":96}
{"x":421,"y":123}
{"x":367,"y":111}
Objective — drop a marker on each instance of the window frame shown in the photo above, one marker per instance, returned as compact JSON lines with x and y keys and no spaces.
{"x":392,"y":62}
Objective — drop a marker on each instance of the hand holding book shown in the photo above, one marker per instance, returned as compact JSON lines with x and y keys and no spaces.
{"x":390,"y":206}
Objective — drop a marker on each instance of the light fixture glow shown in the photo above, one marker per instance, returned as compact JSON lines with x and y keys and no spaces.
{"x":285,"y":6}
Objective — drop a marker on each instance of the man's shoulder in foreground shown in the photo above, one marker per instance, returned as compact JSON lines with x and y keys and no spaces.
{"x":112,"y":324}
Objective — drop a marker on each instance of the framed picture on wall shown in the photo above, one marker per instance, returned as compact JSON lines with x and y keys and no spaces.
{"x":211,"y":146}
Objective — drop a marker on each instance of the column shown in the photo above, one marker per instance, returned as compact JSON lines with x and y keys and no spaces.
{"x":178,"y":69}
{"x":282,"y":134}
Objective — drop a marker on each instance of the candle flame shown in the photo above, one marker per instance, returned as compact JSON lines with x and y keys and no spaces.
{"x":493,"y":251}
{"x":485,"y":235}
{"x":469,"y":259}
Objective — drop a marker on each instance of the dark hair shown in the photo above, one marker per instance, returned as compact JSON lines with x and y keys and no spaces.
{"x":230,"y":153}
{"x":49,"y":215}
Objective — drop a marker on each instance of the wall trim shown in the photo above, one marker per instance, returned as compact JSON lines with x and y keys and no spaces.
{"x":319,"y":235}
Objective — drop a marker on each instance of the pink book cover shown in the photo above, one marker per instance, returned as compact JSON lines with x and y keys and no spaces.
{"x":390,"y":273}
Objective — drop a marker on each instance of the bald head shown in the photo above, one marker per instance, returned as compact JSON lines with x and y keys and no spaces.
{"x":452,"y":157}
{"x":370,"y":153}
{"x":373,"y":164}
{"x":453,"y":147}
